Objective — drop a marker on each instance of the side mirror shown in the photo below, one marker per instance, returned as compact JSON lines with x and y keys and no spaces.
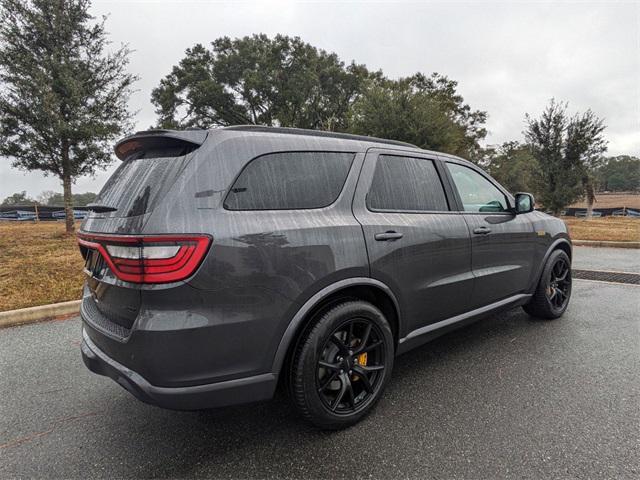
{"x":524,"y":203}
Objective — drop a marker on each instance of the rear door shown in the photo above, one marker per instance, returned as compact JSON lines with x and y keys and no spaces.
{"x":502,"y":243}
{"x":417,"y":245}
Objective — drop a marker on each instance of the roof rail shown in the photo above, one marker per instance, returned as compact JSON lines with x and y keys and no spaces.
{"x":316,"y":133}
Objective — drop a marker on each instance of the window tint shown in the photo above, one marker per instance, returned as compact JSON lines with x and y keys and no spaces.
{"x":406,"y":184}
{"x":477,"y":193}
{"x":290,"y":180}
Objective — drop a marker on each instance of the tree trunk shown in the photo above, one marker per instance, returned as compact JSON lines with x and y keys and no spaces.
{"x":590,"y":194}
{"x":68,"y":203}
{"x":66,"y":187}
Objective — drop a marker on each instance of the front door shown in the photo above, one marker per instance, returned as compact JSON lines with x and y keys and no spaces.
{"x":502,"y":243}
{"x":417,"y":245}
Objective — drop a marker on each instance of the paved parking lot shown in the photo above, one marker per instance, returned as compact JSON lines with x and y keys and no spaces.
{"x":506,"y":397}
{"x":611,"y":259}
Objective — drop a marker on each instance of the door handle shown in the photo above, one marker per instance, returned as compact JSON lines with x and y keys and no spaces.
{"x":390,"y":235}
{"x":481,"y":230}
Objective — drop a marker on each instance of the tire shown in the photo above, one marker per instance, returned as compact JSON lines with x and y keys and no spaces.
{"x":354,"y":342}
{"x":553,"y":292}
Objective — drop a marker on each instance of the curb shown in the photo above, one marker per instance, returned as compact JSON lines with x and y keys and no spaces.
{"x":604,"y":243}
{"x":38,"y":314}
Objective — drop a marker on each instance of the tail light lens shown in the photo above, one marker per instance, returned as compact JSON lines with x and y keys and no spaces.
{"x":149,"y":259}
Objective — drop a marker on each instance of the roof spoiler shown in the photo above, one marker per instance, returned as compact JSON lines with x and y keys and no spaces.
{"x":148,"y":139}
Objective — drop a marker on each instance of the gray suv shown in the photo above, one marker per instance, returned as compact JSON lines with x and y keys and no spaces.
{"x":222,"y":263}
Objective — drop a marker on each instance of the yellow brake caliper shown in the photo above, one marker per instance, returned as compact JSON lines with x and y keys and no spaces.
{"x":361,"y":360}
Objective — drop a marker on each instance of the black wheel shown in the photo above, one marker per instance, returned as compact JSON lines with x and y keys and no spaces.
{"x":342,"y":365}
{"x":552,"y":295}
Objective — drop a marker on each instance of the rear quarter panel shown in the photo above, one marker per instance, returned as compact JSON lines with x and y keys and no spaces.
{"x":262,"y":265}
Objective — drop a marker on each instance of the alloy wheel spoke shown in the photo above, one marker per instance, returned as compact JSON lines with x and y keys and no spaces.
{"x":558,"y":267}
{"x":368,"y":348}
{"x":363,"y":376}
{"x":350,"y":395}
{"x":371,"y":368}
{"x":338,"y":399}
{"x":328,"y":381}
{"x":365,"y":339}
{"x":330,"y":366}
{"x":341,"y":346}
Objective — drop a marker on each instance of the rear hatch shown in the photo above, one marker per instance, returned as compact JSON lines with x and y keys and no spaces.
{"x":119,"y":260}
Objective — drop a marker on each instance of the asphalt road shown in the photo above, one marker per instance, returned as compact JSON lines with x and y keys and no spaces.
{"x":612,"y":259}
{"x":506,"y":397}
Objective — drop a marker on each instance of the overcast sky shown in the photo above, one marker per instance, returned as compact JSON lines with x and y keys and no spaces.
{"x":509,"y":58}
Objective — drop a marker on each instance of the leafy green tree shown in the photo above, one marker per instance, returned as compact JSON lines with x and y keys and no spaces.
{"x":83,"y":199}
{"x":426,"y":111}
{"x":19,"y":198}
{"x":278,"y":81}
{"x":569,"y":151}
{"x":618,"y":174}
{"x":56,"y":199}
{"x":514,"y":166}
{"x":64,"y":97}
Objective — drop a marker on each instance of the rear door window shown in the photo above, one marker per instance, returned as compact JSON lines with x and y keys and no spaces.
{"x":290,"y":181}
{"x":406,"y":184}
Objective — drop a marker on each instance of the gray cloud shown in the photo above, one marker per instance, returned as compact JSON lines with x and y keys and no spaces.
{"x":509,"y":58}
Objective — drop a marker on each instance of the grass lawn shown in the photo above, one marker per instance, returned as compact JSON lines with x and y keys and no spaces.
{"x":619,"y":229}
{"x":39,"y":264}
{"x":613,"y":200}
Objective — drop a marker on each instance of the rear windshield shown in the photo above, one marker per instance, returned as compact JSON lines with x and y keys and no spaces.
{"x":138,"y":183}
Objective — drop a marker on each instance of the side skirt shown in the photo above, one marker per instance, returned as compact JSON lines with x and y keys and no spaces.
{"x":424,"y":334}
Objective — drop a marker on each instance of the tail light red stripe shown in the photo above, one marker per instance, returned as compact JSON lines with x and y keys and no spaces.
{"x":149,"y":270}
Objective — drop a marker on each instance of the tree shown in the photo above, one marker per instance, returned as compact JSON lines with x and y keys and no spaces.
{"x":84,"y":199}
{"x":55,"y":199}
{"x":425,"y":111}
{"x":45,"y":197}
{"x":19,"y":198}
{"x":585,"y":146}
{"x":258,"y":80}
{"x":568,"y":151}
{"x":619,"y":174}
{"x":64,"y":98}
{"x":513,"y":165}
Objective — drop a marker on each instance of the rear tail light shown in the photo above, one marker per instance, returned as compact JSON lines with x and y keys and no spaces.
{"x":149,"y":259}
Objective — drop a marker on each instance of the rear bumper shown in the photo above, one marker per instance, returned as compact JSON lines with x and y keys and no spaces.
{"x":230,"y":392}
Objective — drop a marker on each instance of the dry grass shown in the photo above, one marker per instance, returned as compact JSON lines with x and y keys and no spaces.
{"x":39,"y":265}
{"x":618,"y":229}
{"x":613,"y":200}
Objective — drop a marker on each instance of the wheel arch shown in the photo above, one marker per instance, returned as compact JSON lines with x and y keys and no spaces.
{"x":362,"y":288}
{"x":561,"y":243}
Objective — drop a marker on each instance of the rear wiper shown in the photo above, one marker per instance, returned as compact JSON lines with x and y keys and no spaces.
{"x":98,"y":208}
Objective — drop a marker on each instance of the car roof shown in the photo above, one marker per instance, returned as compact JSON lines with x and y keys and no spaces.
{"x":292,"y":136}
